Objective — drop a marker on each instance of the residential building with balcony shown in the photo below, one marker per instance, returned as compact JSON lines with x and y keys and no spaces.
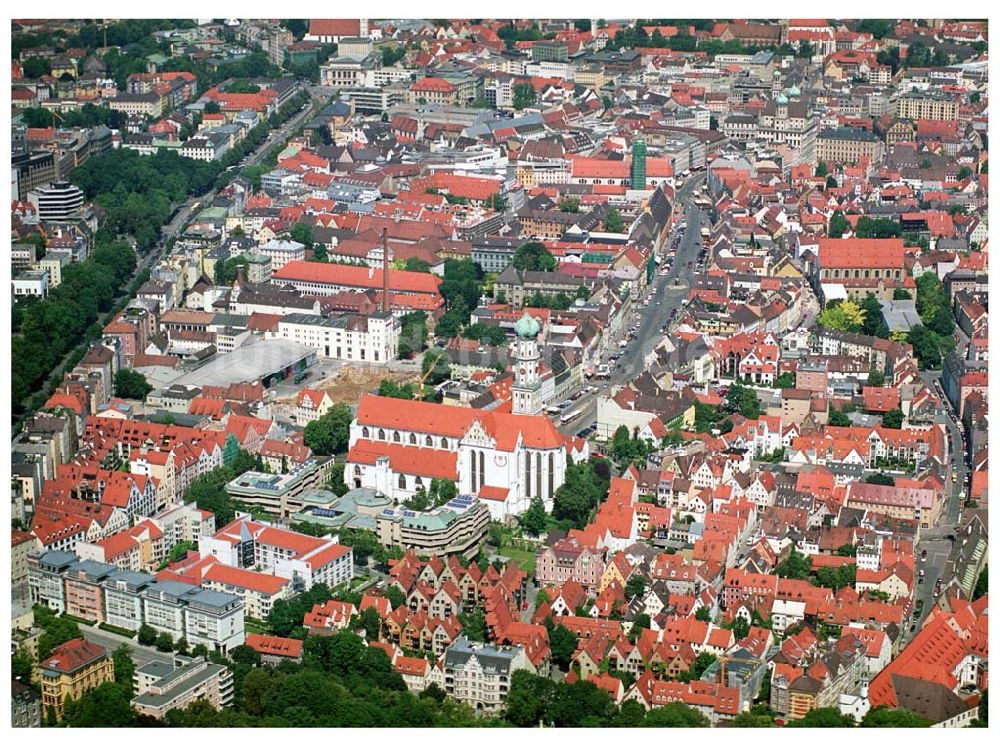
{"x":161,"y":687}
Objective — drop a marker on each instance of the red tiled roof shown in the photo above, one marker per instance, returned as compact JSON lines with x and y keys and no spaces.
{"x":444,"y":420}
{"x":74,"y":655}
{"x":433,"y":85}
{"x":334,"y":27}
{"x":261,"y":583}
{"x":361,"y":277}
{"x":860,"y":253}
{"x":274,"y":645}
{"x":410,"y":460}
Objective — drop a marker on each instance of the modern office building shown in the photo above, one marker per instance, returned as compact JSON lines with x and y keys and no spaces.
{"x":57,"y":202}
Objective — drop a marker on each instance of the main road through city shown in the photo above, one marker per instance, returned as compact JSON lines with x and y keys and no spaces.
{"x":185,"y":213}
{"x":668,"y":294}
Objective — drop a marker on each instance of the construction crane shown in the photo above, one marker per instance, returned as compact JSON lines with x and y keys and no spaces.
{"x":423,"y":379}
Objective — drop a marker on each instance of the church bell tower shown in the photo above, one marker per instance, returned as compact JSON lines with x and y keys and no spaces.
{"x":525,"y":394}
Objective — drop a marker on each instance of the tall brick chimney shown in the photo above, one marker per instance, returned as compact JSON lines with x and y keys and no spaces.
{"x":385,"y":271}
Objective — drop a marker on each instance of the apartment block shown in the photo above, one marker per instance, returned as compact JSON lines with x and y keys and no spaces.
{"x":161,"y":687}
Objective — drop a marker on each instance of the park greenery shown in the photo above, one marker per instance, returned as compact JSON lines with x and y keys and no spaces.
{"x":439,"y":493}
{"x":933,"y":339}
{"x":46,"y":330}
{"x":329,"y":434}
{"x":533,"y":256}
{"x":131,"y":384}
{"x":412,"y":334}
{"x":629,"y":449}
{"x":585,"y":487}
{"x":462,"y":287}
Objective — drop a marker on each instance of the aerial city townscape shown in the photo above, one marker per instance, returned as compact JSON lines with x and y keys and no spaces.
{"x":587,"y":372}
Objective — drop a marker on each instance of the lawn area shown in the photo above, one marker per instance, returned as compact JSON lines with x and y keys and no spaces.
{"x":255,"y":626}
{"x":524,"y":558}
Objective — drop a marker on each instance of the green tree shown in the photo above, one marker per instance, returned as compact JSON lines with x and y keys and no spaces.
{"x":926,"y":346}
{"x":533,"y":256}
{"x":740,"y":628}
{"x":106,"y":706}
{"x":534,"y":519}
{"x":874,"y":322}
{"x":785,"y":380}
{"x":412,"y":334}
{"x":147,"y":635}
{"x":369,"y":619}
{"x":562,"y":644}
{"x":845,"y":316}
{"x":743,"y":400}
{"x":582,"y":490}
{"x":701,"y":662}
{"x":839,"y":225}
{"x":496,"y":202}
{"x":796,"y":565}
{"x":751,"y":720}
{"x":390,"y":388}
{"x":462,"y":286}
{"x":613,"y":222}
{"x":442,"y":491}
{"x":245,"y":656}
{"x":303,"y":234}
{"x":473,"y":623}
{"x":635,"y":586}
{"x":528,"y":699}
{"x":675,"y":715}
{"x":330,"y":433}
{"x":877,"y":228}
{"x":880,"y":478}
{"x":164,"y":642}
{"x":450,"y":324}
{"x":36,"y":67}
{"x":569,"y":205}
{"x":57,"y":631}
{"x":415,"y":264}
{"x":524,"y":95}
{"x":838,"y":417}
{"x":982,"y":583}
{"x":893,"y":419}
{"x":821,"y":169}
{"x":436,"y":366}
{"x":21,"y":665}
{"x":124,"y":667}
{"x":824,"y":718}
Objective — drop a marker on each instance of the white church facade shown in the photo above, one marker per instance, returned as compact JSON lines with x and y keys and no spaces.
{"x":505,"y":459}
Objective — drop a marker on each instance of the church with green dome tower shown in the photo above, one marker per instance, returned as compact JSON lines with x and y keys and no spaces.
{"x":526,"y":391}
